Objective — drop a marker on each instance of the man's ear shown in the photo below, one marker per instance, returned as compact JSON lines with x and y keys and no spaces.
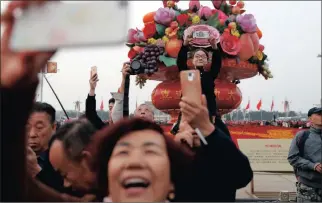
{"x":54,"y":126}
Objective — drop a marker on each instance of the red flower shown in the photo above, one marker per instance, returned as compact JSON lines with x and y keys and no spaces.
{"x":149,"y":30}
{"x":230,"y":44}
{"x":182,"y":19}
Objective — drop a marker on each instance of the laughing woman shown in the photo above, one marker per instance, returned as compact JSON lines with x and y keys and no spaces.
{"x":138,"y":163}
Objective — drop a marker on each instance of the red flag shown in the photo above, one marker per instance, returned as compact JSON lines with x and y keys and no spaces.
{"x":272,"y":105}
{"x":102,"y":106}
{"x":259,"y":105}
{"x":248,"y":105}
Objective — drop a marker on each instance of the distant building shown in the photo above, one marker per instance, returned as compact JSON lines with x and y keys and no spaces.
{"x":158,"y":115}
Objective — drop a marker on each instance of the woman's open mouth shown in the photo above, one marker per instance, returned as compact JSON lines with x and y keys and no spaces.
{"x":135,"y":186}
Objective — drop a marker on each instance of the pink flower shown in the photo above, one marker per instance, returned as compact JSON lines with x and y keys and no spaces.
{"x":217,"y":3}
{"x":230,"y":44}
{"x":194,"y":5}
{"x":247,"y":23}
{"x":135,"y":36}
{"x":164,"y":16}
{"x":205,"y":12}
{"x":221,"y":15}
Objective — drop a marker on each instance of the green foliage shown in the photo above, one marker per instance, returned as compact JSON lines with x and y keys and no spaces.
{"x":160,"y":29}
{"x":213,"y":21}
{"x":180,"y":32}
{"x":168,"y":61}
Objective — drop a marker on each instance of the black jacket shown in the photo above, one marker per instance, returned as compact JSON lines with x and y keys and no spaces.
{"x":219,"y":169}
{"x":91,"y":114}
{"x":207,"y":77}
{"x":50,"y":177}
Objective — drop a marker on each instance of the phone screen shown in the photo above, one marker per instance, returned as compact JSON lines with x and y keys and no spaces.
{"x":93,"y":70}
{"x":60,"y":24}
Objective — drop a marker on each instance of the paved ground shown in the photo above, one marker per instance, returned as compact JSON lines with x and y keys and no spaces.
{"x":269,"y":185}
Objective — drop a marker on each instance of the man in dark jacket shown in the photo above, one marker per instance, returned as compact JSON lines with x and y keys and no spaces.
{"x":90,"y":108}
{"x":308,"y":161}
{"x":40,"y":128}
{"x":219,"y":167}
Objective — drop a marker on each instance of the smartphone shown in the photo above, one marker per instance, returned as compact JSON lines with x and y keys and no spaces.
{"x":61,"y":24}
{"x":191,"y":85}
{"x":93,"y":71}
{"x":201,"y":34}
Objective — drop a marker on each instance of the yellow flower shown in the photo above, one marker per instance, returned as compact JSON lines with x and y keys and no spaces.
{"x":170,"y":4}
{"x":165,"y":39}
{"x":235,"y":32}
{"x":259,"y":55}
{"x":152,"y":41}
{"x":195,"y":19}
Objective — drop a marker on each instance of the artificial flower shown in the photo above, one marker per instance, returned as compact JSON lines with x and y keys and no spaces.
{"x":182,"y":19}
{"x":259,"y":55}
{"x":235,"y":32}
{"x":149,"y":30}
{"x":171,"y":32}
{"x":221,"y":15}
{"x":164,"y":16}
{"x":195,"y":19}
{"x":232,"y":25}
{"x":218,"y":3}
{"x":174,"y":24}
{"x":160,"y":43}
{"x":169,"y":4}
{"x":230,"y":44}
{"x":247,"y":23}
{"x":165,"y":39}
{"x":135,"y":36}
{"x":194,"y":5}
{"x":152,"y":41}
{"x":205,"y":12}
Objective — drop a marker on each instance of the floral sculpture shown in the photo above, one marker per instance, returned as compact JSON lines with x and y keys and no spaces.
{"x":158,"y":43}
{"x":239,"y":33}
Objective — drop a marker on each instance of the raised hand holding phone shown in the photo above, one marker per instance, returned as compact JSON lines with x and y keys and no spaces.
{"x":19,"y":68}
{"x":93,"y":80}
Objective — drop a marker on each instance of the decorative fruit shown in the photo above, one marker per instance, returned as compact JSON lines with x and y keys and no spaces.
{"x":226,"y":30}
{"x":173,"y":47}
{"x":259,"y":33}
{"x":222,"y":22}
{"x":261,"y":47}
{"x":247,"y":47}
{"x":255,"y":40}
{"x":232,"y":2}
{"x":241,"y":4}
{"x":149,"y":17}
{"x":236,"y":10}
{"x":232,"y":25}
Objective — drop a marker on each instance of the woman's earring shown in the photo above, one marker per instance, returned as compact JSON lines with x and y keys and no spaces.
{"x":171,"y":196}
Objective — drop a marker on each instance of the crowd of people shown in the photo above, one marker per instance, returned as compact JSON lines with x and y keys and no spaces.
{"x":124,"y":159}
{"x":287,"y":124}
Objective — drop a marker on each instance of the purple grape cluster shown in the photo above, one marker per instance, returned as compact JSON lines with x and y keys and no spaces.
{"x":148,"y":58}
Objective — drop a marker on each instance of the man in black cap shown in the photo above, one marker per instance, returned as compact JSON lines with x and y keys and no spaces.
{"x":305,"y":156}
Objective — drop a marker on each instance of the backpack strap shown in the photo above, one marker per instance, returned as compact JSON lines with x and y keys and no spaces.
{"x":301,"y":141}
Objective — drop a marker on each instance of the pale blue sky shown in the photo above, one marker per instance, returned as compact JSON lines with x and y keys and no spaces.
{"x":292,"y":40}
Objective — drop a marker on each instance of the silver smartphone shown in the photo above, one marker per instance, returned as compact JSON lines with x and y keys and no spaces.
{"x":60,"y":24}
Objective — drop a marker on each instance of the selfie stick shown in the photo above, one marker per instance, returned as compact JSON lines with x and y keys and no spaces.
{"x":56,"y":96}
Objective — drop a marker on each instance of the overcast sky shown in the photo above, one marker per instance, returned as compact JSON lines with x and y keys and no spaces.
{"x":292,"y":40}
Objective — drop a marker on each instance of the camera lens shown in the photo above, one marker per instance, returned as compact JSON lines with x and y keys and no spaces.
{"x":135,"y":65}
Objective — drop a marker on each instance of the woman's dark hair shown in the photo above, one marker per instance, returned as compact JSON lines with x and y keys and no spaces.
{"x":105,"y":140}
{"x":75,"y":136}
